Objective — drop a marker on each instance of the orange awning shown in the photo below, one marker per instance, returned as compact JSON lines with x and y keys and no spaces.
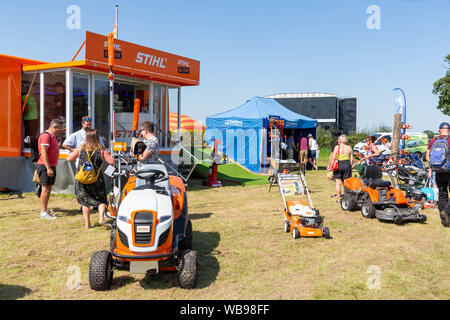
{"x":187,"y":123}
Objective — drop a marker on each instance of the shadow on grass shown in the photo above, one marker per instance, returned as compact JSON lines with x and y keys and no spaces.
{"x":69,"y":212}
{"x":9,"y":196}
{"x":16,"y":214}
{"x":401,"y":224}
{"x":207,"y":264}
{"x":198,"y":216}
{"x":75,"y":211}
{"x":9,"y":292}
{"x":122,"y":281}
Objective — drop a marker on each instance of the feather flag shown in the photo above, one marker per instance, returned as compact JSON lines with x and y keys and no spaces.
{"x":115,"y":30}
{"x":400,"y":104}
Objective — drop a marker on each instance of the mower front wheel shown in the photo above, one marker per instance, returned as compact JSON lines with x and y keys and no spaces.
{"x":295,"y":233}
{"x":187,"y":269}
{"x":101,"y":271}
{"x":326,"y":233}
{"x":368,"y":210}
{"x":347,"y":203}
{"x":287,"y":227}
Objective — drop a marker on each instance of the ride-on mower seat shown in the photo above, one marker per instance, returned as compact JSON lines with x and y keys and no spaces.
{"x":373,"y":177}
{"x":148,"y":167}
{"x":380,"y":183}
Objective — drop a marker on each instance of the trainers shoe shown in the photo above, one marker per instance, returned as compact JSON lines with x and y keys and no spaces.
{"x":48,"y":216}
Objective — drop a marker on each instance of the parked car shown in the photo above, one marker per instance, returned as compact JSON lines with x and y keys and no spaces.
{"x":417,"y":143}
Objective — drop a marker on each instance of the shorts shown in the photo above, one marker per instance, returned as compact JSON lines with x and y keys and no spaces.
{"x":313,"y":154}
{"x":303,"y":156}
{"x":344,"y":170}
{"x":43,"y":177}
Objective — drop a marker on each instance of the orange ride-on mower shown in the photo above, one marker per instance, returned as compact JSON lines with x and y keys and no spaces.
{"x":377,"y":199}
{"x":300,"y":219}
{"x":151,"y":231}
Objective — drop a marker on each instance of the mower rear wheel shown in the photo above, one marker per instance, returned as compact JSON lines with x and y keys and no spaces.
{"x":326,"y":233}
{"x":347,"y":203}
{"x":368,"y":210}
{"x":287,"y":227}
{"x":423,"y":218}
{"x":187,"y":269}
{"x":101,"y":271}
{"x":295,"y":233}
{"x":186,"y":242}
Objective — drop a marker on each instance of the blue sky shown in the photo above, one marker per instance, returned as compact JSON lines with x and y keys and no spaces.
{"x":256,"y":48}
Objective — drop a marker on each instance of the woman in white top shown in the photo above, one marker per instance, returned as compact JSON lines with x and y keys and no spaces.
{"x":313,"y":148}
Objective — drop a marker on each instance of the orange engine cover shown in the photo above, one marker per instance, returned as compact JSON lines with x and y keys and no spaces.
{"x":354,"y":184}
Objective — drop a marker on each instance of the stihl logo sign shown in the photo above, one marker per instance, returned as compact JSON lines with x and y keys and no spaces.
{"x":116,"y":46}
{"x":151,"y":60}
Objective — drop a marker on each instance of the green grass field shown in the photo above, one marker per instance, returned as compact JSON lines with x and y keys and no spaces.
{"x":243,"y":251}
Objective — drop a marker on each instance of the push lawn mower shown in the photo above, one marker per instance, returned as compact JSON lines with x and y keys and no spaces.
{"x":376,"y":198}
{"x":300,"y":219}
{"x":151,"y":231}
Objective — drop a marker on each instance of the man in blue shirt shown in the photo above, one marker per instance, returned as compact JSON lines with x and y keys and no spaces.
{"x":77,"y":138}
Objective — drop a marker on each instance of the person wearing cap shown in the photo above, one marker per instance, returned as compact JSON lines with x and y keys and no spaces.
{"x":77,"y":138}
{"x":442,"y":178}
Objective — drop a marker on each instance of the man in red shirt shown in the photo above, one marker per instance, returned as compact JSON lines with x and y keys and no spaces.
{"x":442,"y":178}
{"x":48,"y":147}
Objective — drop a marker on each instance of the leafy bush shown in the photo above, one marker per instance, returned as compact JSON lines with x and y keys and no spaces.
{"x":325,"y":137}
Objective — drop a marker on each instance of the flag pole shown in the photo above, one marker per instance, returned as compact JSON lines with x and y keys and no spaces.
{"x":111,"y":85}
{"x":117,"y":22}
{"x":111,"y":37}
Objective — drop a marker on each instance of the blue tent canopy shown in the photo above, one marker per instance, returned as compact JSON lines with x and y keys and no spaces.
{"x":254,"y":112}
{"x":241,"y":130}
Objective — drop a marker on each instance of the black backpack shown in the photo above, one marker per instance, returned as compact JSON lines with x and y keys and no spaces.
{"x":33,"y":141}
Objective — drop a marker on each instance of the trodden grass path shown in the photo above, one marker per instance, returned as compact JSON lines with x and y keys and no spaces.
{"x":243,"y":251}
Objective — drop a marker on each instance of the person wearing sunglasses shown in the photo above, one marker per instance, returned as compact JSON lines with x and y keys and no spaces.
{"x":77,"y":138}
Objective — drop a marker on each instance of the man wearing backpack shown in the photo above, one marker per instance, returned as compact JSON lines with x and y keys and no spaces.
{"x":48,"y":147}
{"x":438,"y":158}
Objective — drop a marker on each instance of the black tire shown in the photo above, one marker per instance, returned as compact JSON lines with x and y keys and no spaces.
{"x":273,"y":179}
{"x":101,"y":271}
{"x":398,"y":220}
{"x":187,"y":269}
{"x":368,"y":210}
{"x":295,"y":233}
{"x":347,"y":203}
{"x":186,"y":242}
{"x":326,"y":233}
{"x":287,"y":227}
{"x":423,"y":218}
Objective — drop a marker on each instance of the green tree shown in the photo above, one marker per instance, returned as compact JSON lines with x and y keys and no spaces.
{"x":429,"y":133}
{"x":442,"y":90}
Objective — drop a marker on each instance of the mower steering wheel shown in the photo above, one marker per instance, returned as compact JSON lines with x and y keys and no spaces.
{"x":154,"y":175}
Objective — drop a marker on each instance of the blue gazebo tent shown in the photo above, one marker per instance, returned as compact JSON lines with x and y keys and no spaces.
{"x":243,"y":130}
